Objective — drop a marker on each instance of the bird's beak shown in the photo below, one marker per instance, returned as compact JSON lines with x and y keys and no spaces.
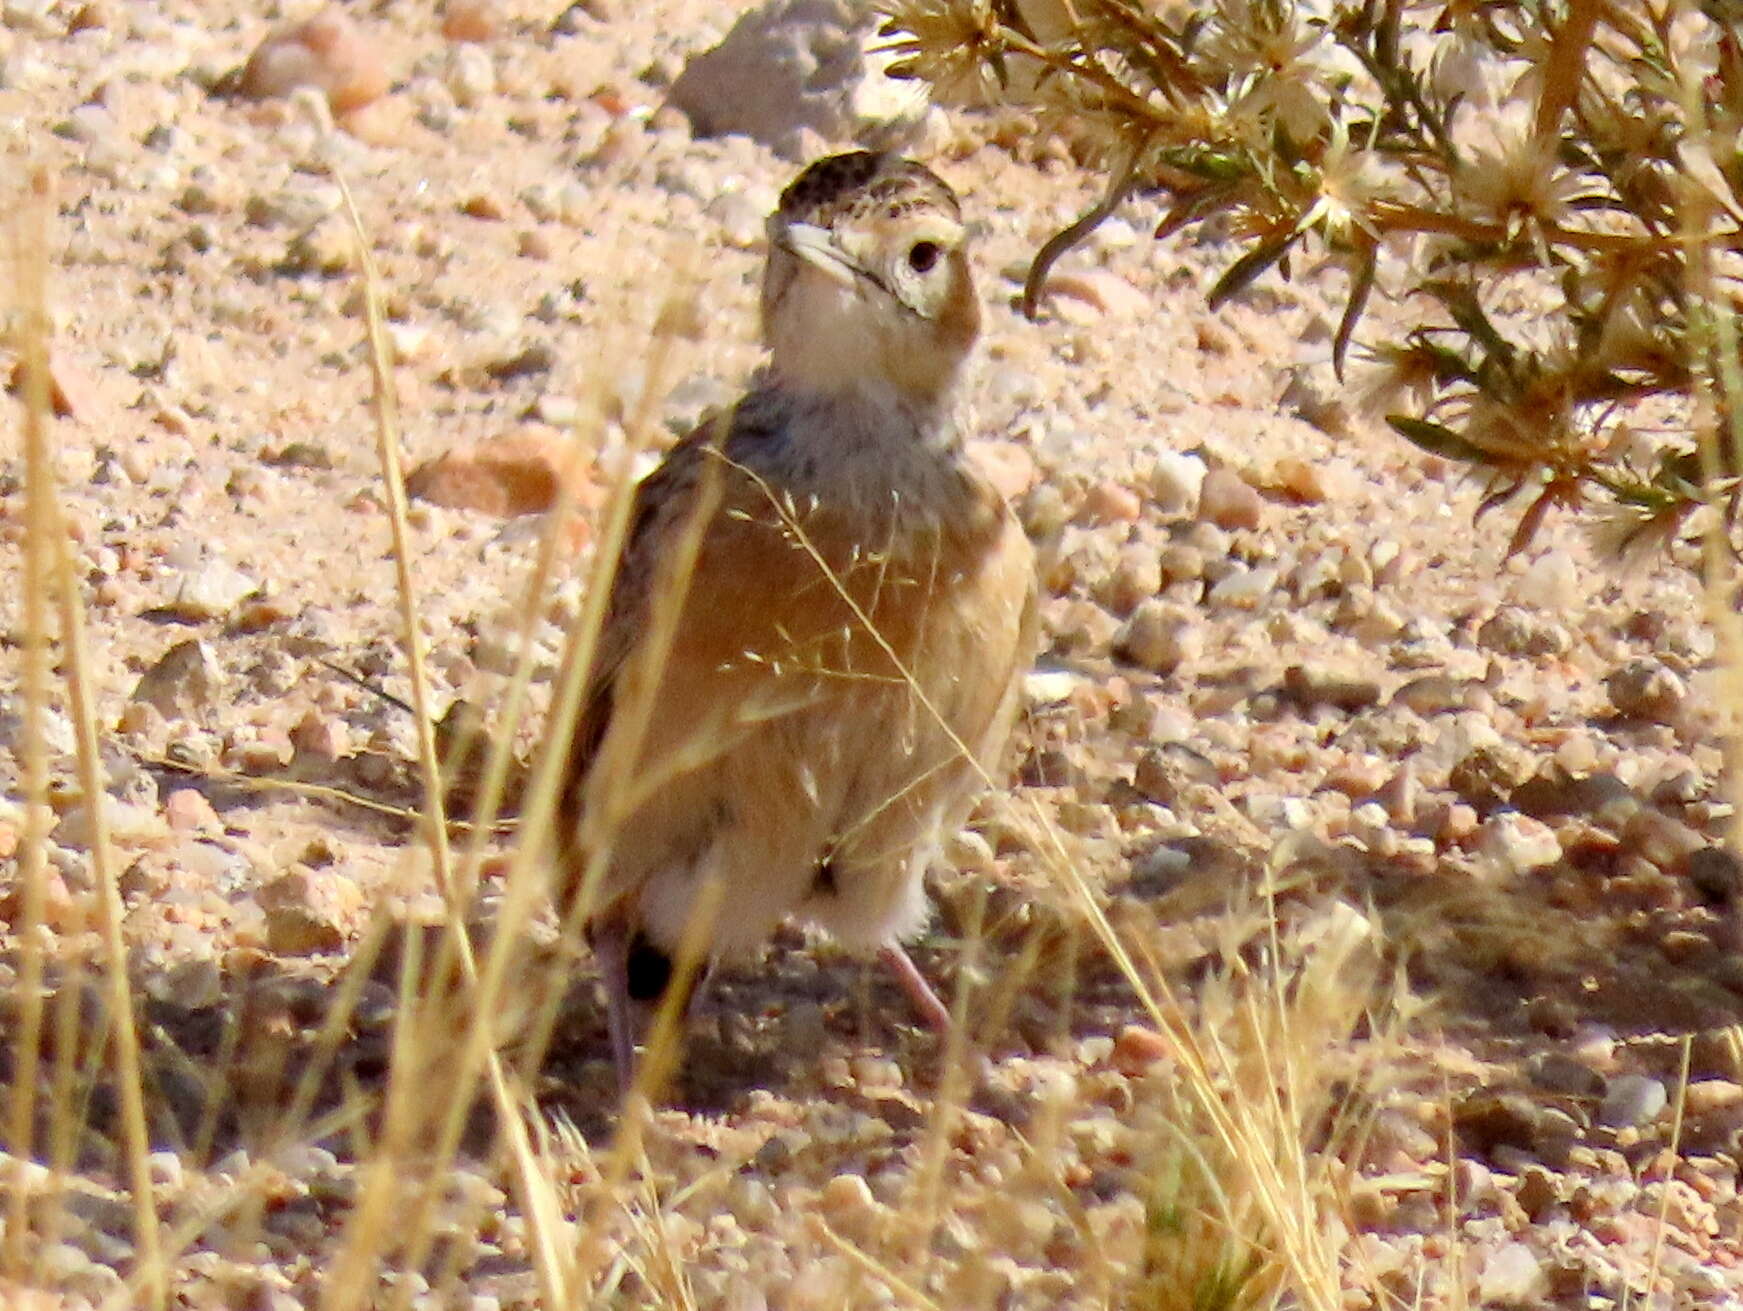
{"x":816,"y":246}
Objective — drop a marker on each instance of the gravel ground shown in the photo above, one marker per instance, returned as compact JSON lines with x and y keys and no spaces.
{"x":1274,"y":640}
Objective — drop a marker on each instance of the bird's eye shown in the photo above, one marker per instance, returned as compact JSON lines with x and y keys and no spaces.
{"x":922,"y":255}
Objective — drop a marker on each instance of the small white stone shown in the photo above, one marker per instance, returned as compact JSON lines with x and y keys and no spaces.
{"x":1159,"y":638}
{"x":127,"y":824}
{"x":1646,"y":689}
{"x":1518,"y":844}
{"x":1512,"y":1276}
{"x":471,"y":76}
{"x":1175,"y":480}
{"x":1049,"y":686}
{"x":57,"y":730}
{"x":410,"y":341}
{"x":211,"y":590}
{"x":1550,"y":583}
{"x":1244,"y":589}
{"x":740,"y":217}
{"x":1632,"y":1100}
{"x":166,"y":1170}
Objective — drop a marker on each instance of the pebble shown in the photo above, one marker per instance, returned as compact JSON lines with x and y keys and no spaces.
{"x":1632,"y":1100}
{"x":1401,"y":795}
{"x":328,"y":52}
{"x":1368,"y":617}
{"x":187,"y":810}
{"x":1512,"y":1275}
{"x":1486,"y":775}
{"x":1137,"y":576}
{"x":1513,"y":630}
{"x":1181,"y":562}
{"x":318,"y":737}
{"x":309,"y":911}
{"x":1110,"y":502}
{"x":1487,"y":1120}
{"x":470,"y":20}
{"x":788,"y":73}
{"x":1707,"y":1095}
{"x":130,"y":824}
{"x":1550,"y":582}
{"x":1716,"y":874}
{"x":1228,"y":501}
{"x":211,"y":590}
{"x":1159,"y":638}
{"x":1552,"y":794}
{"x":1685,"y":787}
{"x":1104,"y":292}
{"x":1163,"y":774}
{"x":1312,"y":685}
{"x":185,"y":683}
{"x":1647,"y":690}
{"x":507,"y":476}
{"x":1007,"y":465}
{"x":1301,"y":480}
{"x":1242,"y":588}
{"x":1176,"y":481}
{"x":1050,"y":686}
{"x":471,"y":76}
{"x":1517,"y":844}
{"x":848,"y":1196}
{"x":1136,"y":1049}
{"x":487,"y":206}
{"x":1559,"y":1072}
{"x":32,"y":16}
{"x":740,"y":216}
{"x":531,"y":360}
{"x":58,"y":733}
{"x":1432,"y":694}
{"x":1659,"y":838}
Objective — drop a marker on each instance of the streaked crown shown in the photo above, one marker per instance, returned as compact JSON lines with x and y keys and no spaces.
{"x":855,"y":184}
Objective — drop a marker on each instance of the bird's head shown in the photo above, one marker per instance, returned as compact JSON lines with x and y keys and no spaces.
{"x":867,"y":279}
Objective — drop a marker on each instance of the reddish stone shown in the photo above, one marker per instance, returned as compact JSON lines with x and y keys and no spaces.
{"x":328,"y":52}
{"x":508,"y":476}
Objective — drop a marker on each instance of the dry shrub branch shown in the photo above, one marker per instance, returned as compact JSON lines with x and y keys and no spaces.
{"x":1552,"y":192}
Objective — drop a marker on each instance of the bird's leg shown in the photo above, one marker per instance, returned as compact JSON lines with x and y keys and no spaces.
{"x":703,"y":1001}
{"x":925,"y":1001}
{"x":611,"y":949}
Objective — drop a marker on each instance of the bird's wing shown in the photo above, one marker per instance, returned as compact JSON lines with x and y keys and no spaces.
{"x":664,"y":500}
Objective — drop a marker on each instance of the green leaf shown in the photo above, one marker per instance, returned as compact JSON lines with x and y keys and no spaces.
{"x":1193,"y":208}
{"x":1436,"y":439}
{"x":1249,"y":266}
{"x":1358,"y":301}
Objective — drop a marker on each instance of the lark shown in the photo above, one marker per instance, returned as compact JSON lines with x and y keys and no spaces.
{"x":819,"y":623}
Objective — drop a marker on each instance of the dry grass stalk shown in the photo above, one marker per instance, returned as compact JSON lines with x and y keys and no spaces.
{"x":30,"y":263}
{"x":48,"y":549}
{"x":408,"y":1090}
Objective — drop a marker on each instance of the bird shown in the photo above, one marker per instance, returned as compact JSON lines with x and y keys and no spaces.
{"x":819,"y":622}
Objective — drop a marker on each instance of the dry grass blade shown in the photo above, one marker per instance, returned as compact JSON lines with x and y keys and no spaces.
{"x":76,"y":655}
{"x":349,"y":1280}
{"x":535,"y":851}
{"x":30,"y":259}
{"x":1679,"y":1107}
